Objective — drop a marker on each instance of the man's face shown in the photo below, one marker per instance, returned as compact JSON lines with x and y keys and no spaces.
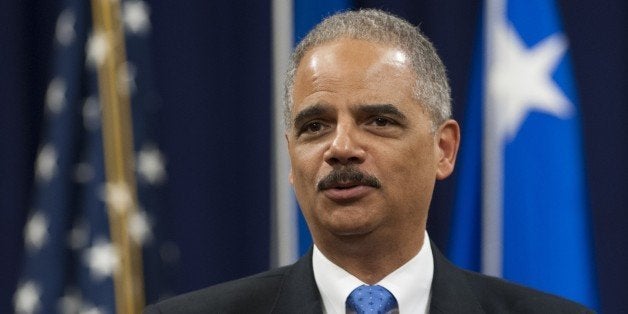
{"x":364,"y":156}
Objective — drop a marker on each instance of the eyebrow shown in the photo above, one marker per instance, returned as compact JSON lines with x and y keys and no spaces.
{"x":309,"y":112}
{"x":382,"y":109}
{"x":371,"y":109}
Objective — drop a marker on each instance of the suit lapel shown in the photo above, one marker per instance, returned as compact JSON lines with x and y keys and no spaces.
{"x":450,"y":291}
{"x":299,"y":292}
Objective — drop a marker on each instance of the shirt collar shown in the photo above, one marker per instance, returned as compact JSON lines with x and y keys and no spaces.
{"x":410,"y":283}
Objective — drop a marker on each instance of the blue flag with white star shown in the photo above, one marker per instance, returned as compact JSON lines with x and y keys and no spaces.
{"x":69,"y":256}
{"x":521,"y":211}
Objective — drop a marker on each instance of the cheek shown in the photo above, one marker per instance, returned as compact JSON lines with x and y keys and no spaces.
{"x":413,"y":167}
{"x":306,"y":162}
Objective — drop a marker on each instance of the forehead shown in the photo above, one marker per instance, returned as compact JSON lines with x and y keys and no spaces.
{"x":359,"y":51}
{"x":353,"y":68}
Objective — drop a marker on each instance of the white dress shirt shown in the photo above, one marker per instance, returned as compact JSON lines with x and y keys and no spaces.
{"x":410,"y":284}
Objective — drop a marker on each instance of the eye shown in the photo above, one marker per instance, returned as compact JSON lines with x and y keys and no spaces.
{"x":382,"y":121}
{"x":312,"y":127}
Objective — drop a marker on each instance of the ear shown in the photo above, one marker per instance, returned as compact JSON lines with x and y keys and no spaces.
{"x":290,"y":177}
{"x":447,"y":141}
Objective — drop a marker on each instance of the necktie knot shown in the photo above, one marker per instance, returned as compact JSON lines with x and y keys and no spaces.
{"x":371,"y":299}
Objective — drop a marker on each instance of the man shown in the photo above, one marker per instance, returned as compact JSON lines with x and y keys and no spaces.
{"x":369,"y":131}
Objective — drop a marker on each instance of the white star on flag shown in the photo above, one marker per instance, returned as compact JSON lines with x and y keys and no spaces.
{"x":79,"y":235}
{"x":118,"y":196}
{"x":36,"y":231}
{"x":46,"y":163}
{"x":64,"y":32}
{"x":91,"y":113}
{"x":26,"y":298}
{"x":97,"y":49}
{"x":71,"y":301}
{"x":126,"y":78}
{"x":55,"y":95}
{"x":90,"y":309}
{"x":170,"y":252}
{"x":102,"y":259}
{"x":135,"y":16}
{"x":139,"y":228}
{"x":150,"y":164}
{"x":83,"y":172}
{"x":520,"y":79}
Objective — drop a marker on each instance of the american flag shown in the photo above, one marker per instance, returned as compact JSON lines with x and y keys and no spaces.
{"x":70,"y":259}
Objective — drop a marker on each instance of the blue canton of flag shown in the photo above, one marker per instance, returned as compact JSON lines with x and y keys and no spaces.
{"x":522,"y":173}
{"x":69,"y":257}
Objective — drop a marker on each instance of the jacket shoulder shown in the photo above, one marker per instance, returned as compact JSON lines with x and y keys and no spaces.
{"x":456,"y":290}
{"x":253,"y":294}
{"x":499,"y":296}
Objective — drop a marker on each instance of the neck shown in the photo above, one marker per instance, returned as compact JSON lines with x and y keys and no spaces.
{"x":370,"y":257}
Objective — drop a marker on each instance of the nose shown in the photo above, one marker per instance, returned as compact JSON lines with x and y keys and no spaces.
{"x":345,"y":148}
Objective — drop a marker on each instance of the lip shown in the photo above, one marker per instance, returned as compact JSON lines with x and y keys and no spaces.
{"x":347,"y":194}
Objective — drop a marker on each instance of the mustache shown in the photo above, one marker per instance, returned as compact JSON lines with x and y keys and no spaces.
{"x":343,"y":175}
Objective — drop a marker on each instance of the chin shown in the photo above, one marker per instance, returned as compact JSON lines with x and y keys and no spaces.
{"x":351,"y":229}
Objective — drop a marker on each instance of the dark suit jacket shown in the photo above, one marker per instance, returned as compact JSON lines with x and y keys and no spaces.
{"x":292,"y":289}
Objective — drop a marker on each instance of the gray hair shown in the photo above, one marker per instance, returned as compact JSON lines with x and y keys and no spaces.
{"x":431,"y":88}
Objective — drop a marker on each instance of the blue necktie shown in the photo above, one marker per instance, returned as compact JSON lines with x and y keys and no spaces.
{"x":371,"y":299}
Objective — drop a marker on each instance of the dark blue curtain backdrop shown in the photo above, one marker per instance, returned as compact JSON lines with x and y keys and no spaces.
{"x":211,"y":62}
